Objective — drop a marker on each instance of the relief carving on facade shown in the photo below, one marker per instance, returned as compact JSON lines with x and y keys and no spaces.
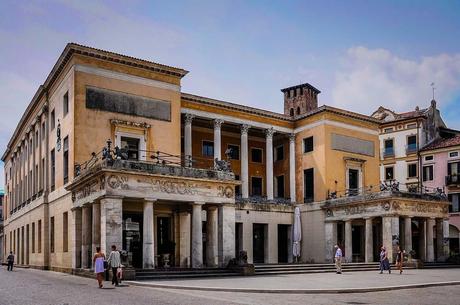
{"x":354,"y":210}
{"x":115,"y":182}
{"x":91,"y":187}
{"x":225,"y":191}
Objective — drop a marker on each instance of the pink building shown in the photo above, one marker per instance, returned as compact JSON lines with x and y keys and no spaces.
{"x":440,"y":164}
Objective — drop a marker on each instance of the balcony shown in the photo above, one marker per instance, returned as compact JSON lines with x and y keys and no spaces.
{"x":261,"y":200}
{"x":388,"y":152}
{"x":453,"y":179}
{"x":411,"y":149}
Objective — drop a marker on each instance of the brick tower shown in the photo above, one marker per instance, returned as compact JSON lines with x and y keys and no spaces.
{"x":300,"y":99}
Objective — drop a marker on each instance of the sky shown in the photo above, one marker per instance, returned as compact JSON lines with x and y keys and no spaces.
{"x":360,"y":54}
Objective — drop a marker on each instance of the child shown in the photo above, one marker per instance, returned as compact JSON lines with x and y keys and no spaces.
{"x":120,"y":273}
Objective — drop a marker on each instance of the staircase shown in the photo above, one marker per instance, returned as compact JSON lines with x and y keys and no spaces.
{"x":440,"y":265}
{"x":181,"y":273}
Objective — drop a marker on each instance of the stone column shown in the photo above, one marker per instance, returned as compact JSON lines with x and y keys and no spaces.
{"x":86,"y":225}
{"x":148,"y":255}
{"x":244,"y":162}
{"x":422,"y":238}
{"x":408,"y":234}
{"x":188,"y":139}
{"x":248,"y":240}
{"x":76,"y":238}
{"x":387,"y":239}
{"x":446,"y":243}
{"x":184,"y":239}
{"x":96,"y":238}
{"x":348,"y":242}
{"x":330,"y":230}
{"x":212,"y":241}
{"x":197,"y":235}
{"x":111,"y":223}
{"x":217,"y":139}
{"x":272,"y":247}
{"x":292,"y":189}
{"x":269,"y":162}
{"x":226,"y":234}
{"x":442,"y":234}
{"x":429,"y":240}
{"x":369,"y":247}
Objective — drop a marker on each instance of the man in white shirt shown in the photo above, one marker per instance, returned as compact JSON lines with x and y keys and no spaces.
{"x":338,"y":259}
{"x":114,"y":262}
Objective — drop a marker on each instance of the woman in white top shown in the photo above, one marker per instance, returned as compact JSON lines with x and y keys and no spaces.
{"x":98,"y":261}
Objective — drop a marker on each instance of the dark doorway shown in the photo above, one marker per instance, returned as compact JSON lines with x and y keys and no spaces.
{"x":283,"y":243}
{"x":258,"y":243}
{"x":132,"y":238}
{"x":238,"y":238}
{"x":416,"y":239}
{"x":309,"y":185}
{"x":377,"y":240}
{"x":165,"y":245}
{"x":357,"y":245}
{"x":353,"y":182}
{"x":256,"y":183}
{"x":280,"y":187}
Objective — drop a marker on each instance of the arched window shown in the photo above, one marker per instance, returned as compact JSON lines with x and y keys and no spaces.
{"x":291,"y":112}
{"x":298,"y":110}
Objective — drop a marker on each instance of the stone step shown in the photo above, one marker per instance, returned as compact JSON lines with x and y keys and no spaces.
{"x":182,"y":276}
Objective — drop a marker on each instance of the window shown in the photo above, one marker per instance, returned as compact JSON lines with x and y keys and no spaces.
{"x":132,"y":146}
{"x":207,"y":149}
{"x":43,"y":131}
{"x":411,"y":144}
{"x":256,"y":155}
{"x":298,"y":111}
{"x":387,"y":130}
{"x":39,"y":236}
{"x":53,"y":169}
{"x":353,"y":182}
{"x":33,"y":237}
{"x":453,"y":154}
{"x":309,"y":185}
{"x":234,"y":151}
{"x":279,"y":153}
{"x":66,"y":160}
{"x":65,"y":103}
{"x":280,"y":186}
{"x":412,"y":170}
{"x":237,"y":187}
{"x":428,"y":158}
{"x":36,"y":138}
{"x":52,"y":235}
{"x":428,"y":173}
{"x":389,"y":173}
{"x":256,"y":186}
{"x":388,"y":149}
{"x":453,"y":173}
{"x":291,"y":112}
{"x":454,"y":200}
{"x":308,"y":144}
{"x":65,"y":233}
{"x":53,"y":120}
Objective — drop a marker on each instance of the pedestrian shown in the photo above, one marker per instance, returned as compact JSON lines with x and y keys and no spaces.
{"x":120,"y":273}
{"x":399,"y":259}
{"x":338,"y":259}
{"x":384,"y":262}
{"x":98,"y":262}
{"x":114,"y":262}
{"x":10,"y":261}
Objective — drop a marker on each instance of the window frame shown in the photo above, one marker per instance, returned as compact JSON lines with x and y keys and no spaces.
{"x":276,"y":152}
{"x":65,"y":160}
{"x":424,"y":178}
{"x":239,"y":152}
{"x":385,"y":172}
{"x":261,"y":185}
{"x":261,"y":155}
{"x":408,"y":170}
{"x":53,"y":119}
{"x":203,"y":151}
{"x":304,"y":144}
{"x":65,"y":104}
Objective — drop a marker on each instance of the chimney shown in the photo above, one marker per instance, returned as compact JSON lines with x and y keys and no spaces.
{"x":300,"y":99}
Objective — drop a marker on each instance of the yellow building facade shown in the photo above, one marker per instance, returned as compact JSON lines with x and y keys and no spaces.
{"x":110,"y":151}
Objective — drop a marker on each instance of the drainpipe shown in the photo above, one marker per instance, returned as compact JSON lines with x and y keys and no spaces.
{"x":419,"y":158}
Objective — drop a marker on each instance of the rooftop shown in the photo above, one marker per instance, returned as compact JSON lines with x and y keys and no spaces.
{"x":443,"y":143}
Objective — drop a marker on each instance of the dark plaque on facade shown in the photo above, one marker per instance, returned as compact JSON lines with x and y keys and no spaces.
{"x":113,"y":101}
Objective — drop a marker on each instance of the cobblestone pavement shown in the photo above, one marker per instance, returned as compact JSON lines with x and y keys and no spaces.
{"x":34,"y":287}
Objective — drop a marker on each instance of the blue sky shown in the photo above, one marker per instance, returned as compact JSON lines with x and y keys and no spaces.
{"x":360,"y":54}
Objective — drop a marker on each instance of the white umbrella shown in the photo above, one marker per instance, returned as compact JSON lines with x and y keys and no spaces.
{"x":297,"y":234}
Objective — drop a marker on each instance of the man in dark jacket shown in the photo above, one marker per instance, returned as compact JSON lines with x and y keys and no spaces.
{"x":10,"y":261}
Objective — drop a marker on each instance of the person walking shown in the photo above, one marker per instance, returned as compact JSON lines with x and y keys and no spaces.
{"x":114,"y":262}
{"x":338,"y":259}
{"x":399,"y":259}
{"x":10,"y":261}
{"x":98,"y":262}
{"x":384,"y":262}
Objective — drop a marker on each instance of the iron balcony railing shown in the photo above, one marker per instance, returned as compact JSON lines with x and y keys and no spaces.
{"x":261,"y":200}
{"x":411,"y":148}
{"x":388,"y":152}
{"x":453,"y":179}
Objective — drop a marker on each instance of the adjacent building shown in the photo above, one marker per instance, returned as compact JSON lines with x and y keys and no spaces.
{"x":110,"y":151}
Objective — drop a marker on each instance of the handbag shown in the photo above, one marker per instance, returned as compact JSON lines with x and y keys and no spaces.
{"x":106,"y":264}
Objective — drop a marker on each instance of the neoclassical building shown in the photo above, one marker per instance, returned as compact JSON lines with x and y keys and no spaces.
{"x":110,"y":151}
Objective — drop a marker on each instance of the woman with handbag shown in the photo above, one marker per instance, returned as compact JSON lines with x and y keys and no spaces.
{"x":384,"y":262}
{"x":99,"y":268}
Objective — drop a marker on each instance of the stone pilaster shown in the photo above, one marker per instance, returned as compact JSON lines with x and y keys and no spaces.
{"x":86,"y":237}
{"x":248,"y":240}
{"x":422,"y":239}
{"x":387,"y":239}
{"x":76,"y":238}
{"x":269,"y":162}
{"x":226,"y":234}
{"x":348,"y":242}
{"x":292,"y":189}
{"x":111,"y":223}
{"x":408,"y":234}
{"x":197,"y":235}
{"x":330,"y":230}
{"x":188,"y":138}
{"x":272,"y":246}
{"x":369,"y":246}
{"x":217,"y":139}
{"x":445,"y":232}
{"x":184,"y":239}
{"x":429,"y":240}
{"x":244,"y":162}
{"x":442,"y":234}
{"x":96,"y":231}
{"x":148,"y":254}
{"x":212,"y":240}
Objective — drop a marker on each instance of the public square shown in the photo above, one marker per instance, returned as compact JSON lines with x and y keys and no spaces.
{"x":34,"y":287}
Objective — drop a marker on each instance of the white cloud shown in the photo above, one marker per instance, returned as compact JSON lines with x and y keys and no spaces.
{"x":368,"y":78}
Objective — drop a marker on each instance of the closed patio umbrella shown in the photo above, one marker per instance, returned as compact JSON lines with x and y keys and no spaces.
{"x":297,"y":234}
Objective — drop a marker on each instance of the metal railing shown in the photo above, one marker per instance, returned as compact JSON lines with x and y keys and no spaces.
{"x":261,"y":199}
{"x":388,"y":152}
{"x":453,"y":179}
{"x":411,"y":148}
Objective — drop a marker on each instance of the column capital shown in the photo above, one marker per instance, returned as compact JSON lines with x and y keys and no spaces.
{"x":198,"y":203}
{"x":218,"y":123}
{"x":189,"y":118}
{"x":245,"y":129}
{"x":153,"y":200}
{"x":269,"y":132}
{"x":292,"y":137}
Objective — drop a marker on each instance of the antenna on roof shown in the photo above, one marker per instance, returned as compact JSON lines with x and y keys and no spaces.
{"x":433,"y":88}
